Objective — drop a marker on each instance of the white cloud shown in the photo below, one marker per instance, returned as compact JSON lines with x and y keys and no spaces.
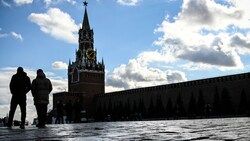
{"x":59,"y":65}
{"x":53,"y":2}
{"x":138,"y":73}
{"x":48,"y":2}
{"x":113,"y":88}
{"x":57,"y":24}
{"x":202,"y":33}
{"x":13,"y":34}
{"x":6,"y":4}
{"x":241,"y":43}
{"x":58,"y":84}
{"x":147,"y":57}
{"x":22,"y":2}
{"x":17,"y":36}
{"x":128,"y":2}
{"x":2,"y":35}
{"x":209,"y":14}
{"x":194,"y":66}
{"x":242,"y":5}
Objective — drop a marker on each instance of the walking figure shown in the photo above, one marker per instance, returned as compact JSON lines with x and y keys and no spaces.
{"x":19,"y":86}
{"x":59,"y":111}
{"x":69,"y":110}
{"x":77,"y":108}
{"x":41,"y":88}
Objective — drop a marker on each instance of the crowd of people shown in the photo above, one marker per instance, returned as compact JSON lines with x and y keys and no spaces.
{"x":67,"y":110}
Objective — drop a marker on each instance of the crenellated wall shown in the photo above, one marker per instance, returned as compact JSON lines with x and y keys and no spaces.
{"x":229,"y":89}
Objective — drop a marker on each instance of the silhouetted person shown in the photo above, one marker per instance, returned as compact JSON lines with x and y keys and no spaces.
{"x":207,"y":110}
{"x":77,"y":108}
{"x":69,"y":110}
{"x":41,"y":88}
{"x":49,"y":118}
{"x":59,"y":111}
{"x":19,"y":87}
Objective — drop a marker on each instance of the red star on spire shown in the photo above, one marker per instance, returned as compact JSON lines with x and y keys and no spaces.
{"x":85,"y":3}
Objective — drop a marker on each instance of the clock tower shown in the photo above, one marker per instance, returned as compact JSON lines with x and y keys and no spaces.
{"x":86,"y":75}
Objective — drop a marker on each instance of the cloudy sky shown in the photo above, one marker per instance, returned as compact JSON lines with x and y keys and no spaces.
{"x":142,"y":42}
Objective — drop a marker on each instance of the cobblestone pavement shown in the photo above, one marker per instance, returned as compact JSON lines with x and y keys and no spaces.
{"x":176,"y":130}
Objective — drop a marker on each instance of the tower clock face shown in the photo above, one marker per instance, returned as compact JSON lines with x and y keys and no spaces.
{"x":90,"y":53}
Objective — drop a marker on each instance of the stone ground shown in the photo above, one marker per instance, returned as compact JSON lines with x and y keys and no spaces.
{"x":174,"y":130}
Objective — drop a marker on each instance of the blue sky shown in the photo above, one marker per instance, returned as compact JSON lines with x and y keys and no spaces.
{"x":142,"y":42}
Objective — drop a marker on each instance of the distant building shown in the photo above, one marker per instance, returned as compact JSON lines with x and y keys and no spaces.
{"x":219,"y":96}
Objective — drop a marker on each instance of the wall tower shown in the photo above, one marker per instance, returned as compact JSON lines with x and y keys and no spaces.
{"x":86,"y":75}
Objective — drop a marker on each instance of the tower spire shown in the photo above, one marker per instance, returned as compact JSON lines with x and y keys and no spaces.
{"x":85,"y":23}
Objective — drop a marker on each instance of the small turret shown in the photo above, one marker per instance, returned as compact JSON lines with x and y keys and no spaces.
{"x":102,"y":61}
{"x":69,"y":62}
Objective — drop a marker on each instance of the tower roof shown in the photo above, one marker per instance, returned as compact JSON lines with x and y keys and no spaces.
{"x":85,"y":23}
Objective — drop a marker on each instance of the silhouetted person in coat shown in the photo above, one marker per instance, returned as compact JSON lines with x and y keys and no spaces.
{"x":41,"y":88}
{"x":59,"y":111}
{"x":77,"y":108}
{"x":69,"y":110}
{"x":19,"y":87}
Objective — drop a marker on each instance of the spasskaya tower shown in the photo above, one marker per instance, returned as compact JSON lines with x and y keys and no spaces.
{"x":86,"y":75}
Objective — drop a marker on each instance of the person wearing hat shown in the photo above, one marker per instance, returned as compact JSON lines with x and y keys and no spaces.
{"x":41,"y":88}
{"x":19,"y":86}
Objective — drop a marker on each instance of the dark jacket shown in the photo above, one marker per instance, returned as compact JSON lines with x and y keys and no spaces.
{"x":59,"y":108}
{"x":41,"y":87}
{"x":69,"y":107}
{"x":20,"y":84}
